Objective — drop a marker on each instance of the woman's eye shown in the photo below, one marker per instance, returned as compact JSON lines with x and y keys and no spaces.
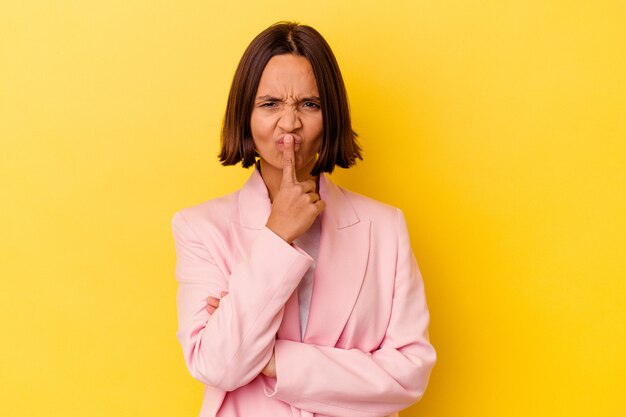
{"x":268,"y":104}
{"x":311,"y":105}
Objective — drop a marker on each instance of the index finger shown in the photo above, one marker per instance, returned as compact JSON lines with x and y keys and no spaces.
{"x":289,"y":158}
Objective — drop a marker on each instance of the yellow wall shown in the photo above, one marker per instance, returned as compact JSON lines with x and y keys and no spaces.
{"x":499,"y":128}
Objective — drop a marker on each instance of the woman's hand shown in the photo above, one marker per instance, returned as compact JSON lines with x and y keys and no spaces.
{"x":296,"y":205}
{"x":270,"y":368}
{"x":212,"y":304}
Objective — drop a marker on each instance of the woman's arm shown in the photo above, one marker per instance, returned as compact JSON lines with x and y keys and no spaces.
{"x":229,"y":348}
{"x":339,"y":382}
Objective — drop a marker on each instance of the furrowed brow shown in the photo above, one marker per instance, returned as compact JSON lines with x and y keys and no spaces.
{"x":272,"y":98}
{"x":267,"y":98}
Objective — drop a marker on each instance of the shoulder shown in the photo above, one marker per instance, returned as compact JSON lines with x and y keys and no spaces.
{"x":387,"y":222}
{"x":211,"y":215}
{"x":368,"y":208}
{"x":388,"y":227}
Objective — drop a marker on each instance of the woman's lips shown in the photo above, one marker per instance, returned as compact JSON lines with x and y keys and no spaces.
{"x":296,"y":140}
{"x":296,"y":143}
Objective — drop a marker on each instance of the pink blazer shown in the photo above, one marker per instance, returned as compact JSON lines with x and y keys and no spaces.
{"x":366,"y":350}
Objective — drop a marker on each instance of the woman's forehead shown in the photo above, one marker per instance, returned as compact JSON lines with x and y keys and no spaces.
{"x":288,"y":74}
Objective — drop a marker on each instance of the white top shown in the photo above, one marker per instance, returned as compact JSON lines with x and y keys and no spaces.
{"x":308,"y":242}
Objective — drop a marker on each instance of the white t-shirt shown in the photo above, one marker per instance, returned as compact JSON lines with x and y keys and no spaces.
{"x":308,"y":242}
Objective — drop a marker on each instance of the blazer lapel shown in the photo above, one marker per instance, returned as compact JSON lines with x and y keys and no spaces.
{"x":342,"y":259}
{"x":254,"y":202}
{"x":254,"y":209}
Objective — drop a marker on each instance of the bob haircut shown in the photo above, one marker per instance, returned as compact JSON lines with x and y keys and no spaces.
{"x":339,"y":145}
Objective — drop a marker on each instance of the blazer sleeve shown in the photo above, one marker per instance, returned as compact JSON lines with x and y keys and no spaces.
{"x":339,"y":382}
{"x":230,"y":347}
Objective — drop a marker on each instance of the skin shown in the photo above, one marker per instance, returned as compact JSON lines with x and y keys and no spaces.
{"x":287,"y":130}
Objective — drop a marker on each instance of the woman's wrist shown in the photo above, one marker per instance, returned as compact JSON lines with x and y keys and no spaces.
{"x":280,"y":233}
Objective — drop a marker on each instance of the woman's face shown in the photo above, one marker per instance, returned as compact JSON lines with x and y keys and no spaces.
{"x":287,"y":101}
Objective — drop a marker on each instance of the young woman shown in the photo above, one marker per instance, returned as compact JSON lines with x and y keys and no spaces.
{"x":298,"y":297}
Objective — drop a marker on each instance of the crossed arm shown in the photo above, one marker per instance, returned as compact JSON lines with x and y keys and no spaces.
{"x":229,"y":348}
{"x":227,"y":328}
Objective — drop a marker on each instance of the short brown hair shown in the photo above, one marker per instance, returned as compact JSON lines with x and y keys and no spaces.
{"x":339,"y":145}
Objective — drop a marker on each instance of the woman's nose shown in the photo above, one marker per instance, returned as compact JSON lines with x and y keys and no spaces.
{"x":290,"y":120}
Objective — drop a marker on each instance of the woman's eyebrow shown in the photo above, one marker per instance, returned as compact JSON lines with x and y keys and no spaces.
{"x":267,"y":98}
{"x":272,"y":98}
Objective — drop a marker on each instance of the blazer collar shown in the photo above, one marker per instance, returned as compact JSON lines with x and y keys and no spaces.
{"x":255,"y":205}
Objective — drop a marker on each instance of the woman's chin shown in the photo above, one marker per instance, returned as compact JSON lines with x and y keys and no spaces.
{"x":277,"y":163}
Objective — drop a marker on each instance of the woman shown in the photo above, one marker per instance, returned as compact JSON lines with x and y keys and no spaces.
{"x":297,"y":297}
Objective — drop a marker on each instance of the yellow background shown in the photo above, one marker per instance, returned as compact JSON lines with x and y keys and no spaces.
{"x":498,"y":127}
